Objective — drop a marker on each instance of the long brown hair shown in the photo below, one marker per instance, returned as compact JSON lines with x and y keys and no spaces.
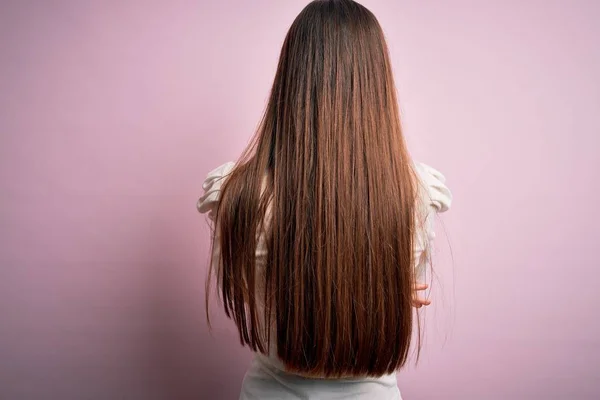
{"x":329,"y":181}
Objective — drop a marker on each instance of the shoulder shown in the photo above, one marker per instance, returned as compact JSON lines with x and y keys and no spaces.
{"x":434,"y":186}
{"x":211,"y":187}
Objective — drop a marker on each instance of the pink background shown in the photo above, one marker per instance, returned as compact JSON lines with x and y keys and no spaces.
{"x":112,"y":112}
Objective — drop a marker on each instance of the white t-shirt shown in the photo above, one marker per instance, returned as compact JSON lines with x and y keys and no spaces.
{"x":266,"y":377}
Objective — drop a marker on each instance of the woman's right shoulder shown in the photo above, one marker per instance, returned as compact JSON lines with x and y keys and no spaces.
{"x":437,"y":192}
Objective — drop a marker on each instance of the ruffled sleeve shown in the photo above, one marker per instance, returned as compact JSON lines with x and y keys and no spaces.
{"x":435,"y":198}
{"x":439,"y":196}
{"x":213,"y":182}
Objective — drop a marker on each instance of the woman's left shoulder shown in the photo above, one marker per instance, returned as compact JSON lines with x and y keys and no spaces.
{"x":212,"y":188}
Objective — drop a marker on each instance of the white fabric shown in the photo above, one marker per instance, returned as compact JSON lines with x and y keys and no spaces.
{"x":266,"y":377}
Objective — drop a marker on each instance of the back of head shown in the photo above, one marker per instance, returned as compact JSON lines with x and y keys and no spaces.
{"x":340,"y":194}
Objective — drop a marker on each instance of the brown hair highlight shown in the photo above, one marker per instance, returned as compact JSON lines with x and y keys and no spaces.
{"x":328,"y":181}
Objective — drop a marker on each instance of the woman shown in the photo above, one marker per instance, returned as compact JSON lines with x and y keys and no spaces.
{"x":322,"y":226}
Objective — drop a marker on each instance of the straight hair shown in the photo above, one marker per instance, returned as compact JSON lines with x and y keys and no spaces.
{"x":328,"y":182}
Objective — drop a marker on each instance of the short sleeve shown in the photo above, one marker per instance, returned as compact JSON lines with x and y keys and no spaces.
{"x":439,"y":196}
{"x":435,"y":197}
{"x":211,"y":186}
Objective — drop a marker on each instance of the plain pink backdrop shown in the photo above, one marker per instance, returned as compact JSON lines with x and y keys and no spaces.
{"x":112,"y":112}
